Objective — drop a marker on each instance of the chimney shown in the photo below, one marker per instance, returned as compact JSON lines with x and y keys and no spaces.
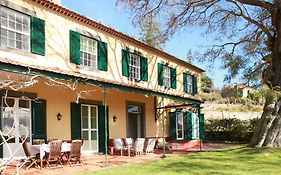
{"x":58,"y":2}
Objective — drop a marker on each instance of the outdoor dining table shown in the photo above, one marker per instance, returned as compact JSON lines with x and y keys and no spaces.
{"x":45,"y":148}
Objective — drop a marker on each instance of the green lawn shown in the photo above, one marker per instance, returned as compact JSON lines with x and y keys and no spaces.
{"x":232,"y":161}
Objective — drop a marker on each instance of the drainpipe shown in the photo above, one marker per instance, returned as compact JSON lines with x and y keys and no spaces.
{"x":105,"y":126}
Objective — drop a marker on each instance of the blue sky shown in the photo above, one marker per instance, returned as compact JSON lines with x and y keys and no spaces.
{"x":107,"y":13}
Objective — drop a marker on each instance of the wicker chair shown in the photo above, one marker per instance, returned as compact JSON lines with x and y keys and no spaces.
{"x":55,"y":153}
{"x":75,"y":152}
{"x":32,"y":159}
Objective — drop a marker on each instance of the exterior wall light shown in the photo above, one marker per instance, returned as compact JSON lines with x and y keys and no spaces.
{"x":114,"y":118}
{"x":59,"y":116}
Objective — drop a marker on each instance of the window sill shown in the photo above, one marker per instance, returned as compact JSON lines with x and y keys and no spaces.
{"x":18,"y":51}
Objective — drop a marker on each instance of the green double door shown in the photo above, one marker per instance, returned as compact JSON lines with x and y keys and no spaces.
{"x":88,"y":122}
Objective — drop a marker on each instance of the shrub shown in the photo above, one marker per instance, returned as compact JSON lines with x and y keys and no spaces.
{"x":232,"y":129}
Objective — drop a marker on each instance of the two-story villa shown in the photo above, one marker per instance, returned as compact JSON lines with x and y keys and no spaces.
{"x":66,"y":76}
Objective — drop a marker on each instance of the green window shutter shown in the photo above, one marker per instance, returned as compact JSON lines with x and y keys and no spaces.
{"x":101,"y":128}
{"x":194,"y":83}
{"x":1,"y":141}
{"x":39,"y":125}
{"x":202,"y":126}
{"x":37,"y":35}
{"x":185,"y":82}
{"x":74,"y":41}
{"x":160,"y":74}
{"x":125,"y":63}
{"x":102,"y":56}
{"x":144,"y":69}
{"x":75,"y":114}
{"x":173,"y":78}
{"x":172,"y":126}
{"x":189,"y":125}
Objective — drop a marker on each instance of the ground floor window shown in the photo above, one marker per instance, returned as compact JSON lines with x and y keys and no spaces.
{"x":89,"y":124}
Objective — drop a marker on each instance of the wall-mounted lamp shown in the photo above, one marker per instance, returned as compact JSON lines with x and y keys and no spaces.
{"x":59,"y":116}
{"x":114,"y":118}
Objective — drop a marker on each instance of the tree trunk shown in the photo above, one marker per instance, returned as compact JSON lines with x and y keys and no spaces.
{"x":268,"y":129}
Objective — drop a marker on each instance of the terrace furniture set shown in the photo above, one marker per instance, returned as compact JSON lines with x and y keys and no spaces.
{"x":55,"y":150}
{"x":140,"y":146}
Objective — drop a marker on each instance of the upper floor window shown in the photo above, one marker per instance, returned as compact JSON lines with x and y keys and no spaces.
{"x":88,"y":52}
{"x":190,"y":83}
{"x":134,"y":66}
{"x":166,"y":76}
{"x":15,"y":29}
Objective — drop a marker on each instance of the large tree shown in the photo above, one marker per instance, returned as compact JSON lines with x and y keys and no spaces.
{"x":248,"y":30}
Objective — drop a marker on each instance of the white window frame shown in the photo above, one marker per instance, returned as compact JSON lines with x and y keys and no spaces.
{"x":189,"y":83}
{"x":166,"y":76}
{"x":179,"y":114}
{"x":90,"y":129}
{"x":134,"y":66}
{"x":88,"y":52}
{"x":12,"y":33}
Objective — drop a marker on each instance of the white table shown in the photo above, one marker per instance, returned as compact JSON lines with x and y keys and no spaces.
{"x":45,"y":148}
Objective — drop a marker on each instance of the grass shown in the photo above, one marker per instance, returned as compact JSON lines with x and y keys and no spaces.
{"x":231,"y":161}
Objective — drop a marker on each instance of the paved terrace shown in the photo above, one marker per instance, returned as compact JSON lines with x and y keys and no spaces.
{"x":97,"y":162}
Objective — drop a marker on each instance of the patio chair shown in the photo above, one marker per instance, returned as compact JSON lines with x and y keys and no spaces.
{"x":75,"y":152}
{"x":138,"y":147}
{"x":55,"y":153}
{"x":150,"y":145}
{"x":118,"y":146}
{"x":160,"y":144}
{"x":31,"y":159}
{"x":129,"y":142}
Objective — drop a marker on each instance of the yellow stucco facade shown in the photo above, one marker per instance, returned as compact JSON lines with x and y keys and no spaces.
{"x":57,"y":58}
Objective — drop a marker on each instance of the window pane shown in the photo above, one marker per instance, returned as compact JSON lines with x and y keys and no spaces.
{"x":85,"y":117}
{"x":93,"y":118}
{"x":94,"y":140}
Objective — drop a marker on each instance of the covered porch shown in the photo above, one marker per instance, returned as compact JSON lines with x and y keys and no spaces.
{"x":95,"y":110}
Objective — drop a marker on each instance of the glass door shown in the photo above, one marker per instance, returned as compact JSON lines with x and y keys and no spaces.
{"x":179,"y":126}
{"x":16,"y":124}
{"x":89,"y":122}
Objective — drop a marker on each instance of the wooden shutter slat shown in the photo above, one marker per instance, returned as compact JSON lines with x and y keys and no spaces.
{"x":144,"y":69}
{"x":101,"y":128}
{"x":173,"y":78}
{"x":125,"y":63}
{"x":102,"y":56}
{"x":39,"y":119}
{"x":172,"y":126}
{"x":75,"y":114}
{"x":160,"y":74}
{"x":37,"y":37}
{"x":74,"y":41}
